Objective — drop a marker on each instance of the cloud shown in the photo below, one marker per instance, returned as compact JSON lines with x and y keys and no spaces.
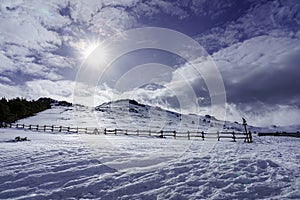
{"x":28,"y":32}
{"x":172,"y":9}
{"x":261,"y":69}
{"x":264,"y":115}
{"x":273,"y":18}
{"x":261,"y":77}
{"x":213,"y":8}
{"x":106,"y":23}
{"x":57,"y":61}
{"x":54,"y":89}
{"x":9,"y":91}
{"x":28,"y":37}
{"x":4,"y":79}
{"x":60,"y":90}
{"x":6,"y":63}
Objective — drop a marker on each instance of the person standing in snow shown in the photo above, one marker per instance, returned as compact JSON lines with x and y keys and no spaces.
{"x":248,"y":134}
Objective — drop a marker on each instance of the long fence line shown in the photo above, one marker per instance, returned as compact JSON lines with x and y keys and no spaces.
{"x":247,"y":137}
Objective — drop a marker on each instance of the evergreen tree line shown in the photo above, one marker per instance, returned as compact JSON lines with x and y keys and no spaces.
{"x":19,"y":108}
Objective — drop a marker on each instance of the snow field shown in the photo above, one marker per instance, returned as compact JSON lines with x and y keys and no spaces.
{"x":67,"y":166}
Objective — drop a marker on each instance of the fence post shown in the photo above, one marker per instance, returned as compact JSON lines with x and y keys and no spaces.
{"x":202,"y":133}
{"x":161,"y":134}
{"x":44,"y":128}
{"x":29,"y":126}
{"x":105,"y":131}
{"x":250,"y":136}
{"x":96,"y":132}
{"x":188,"y":132}
{"x":60,"y":128}
{"x":149,"y":132}
{"x":218,"y":135}
{"x":115,"y":131}
{"x":246,"y":137}
{"x":174,"y":134}
{"x":52,"y":128}
{"x":233,"y":136}
{"x":86,"y":130}
{"x":37,"y":127}
{"x":77,"y":130}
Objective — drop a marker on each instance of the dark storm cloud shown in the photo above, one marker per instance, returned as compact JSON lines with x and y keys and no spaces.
{"x":277,"y":83}
{"x":264,"y":69}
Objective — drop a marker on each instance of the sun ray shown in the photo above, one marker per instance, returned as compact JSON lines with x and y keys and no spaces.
{"x":87,"y":47}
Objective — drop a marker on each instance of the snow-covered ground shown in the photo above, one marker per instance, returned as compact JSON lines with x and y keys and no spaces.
{"x":83,"y":166}
{"x":66,"y":166}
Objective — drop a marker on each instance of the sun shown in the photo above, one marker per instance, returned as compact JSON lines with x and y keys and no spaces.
{"x":87,"y":47}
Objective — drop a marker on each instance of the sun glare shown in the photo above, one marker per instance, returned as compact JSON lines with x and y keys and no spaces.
{"x":89,"y":49}
{"x":86,"y":48}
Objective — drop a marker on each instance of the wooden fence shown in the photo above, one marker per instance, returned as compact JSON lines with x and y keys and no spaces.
{"x":109,"y":131}
{"x":280,"y":134}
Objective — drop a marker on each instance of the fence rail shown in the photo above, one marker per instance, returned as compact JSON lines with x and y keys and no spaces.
{"x":280,"y":134}
{"x":117,"y":131}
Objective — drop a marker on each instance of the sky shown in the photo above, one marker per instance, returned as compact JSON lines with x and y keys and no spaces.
{"x":253,"y":47}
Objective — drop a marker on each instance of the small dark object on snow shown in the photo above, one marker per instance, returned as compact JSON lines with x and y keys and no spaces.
{"x":20,"y":139}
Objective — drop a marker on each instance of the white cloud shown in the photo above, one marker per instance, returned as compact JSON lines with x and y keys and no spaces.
{"x":168,"y":8}
{"x":61,"y":90}
{"x":27,"y":36}
{"x":57,"y":61}
{"x":27,"y":32}
{"x":265,"y":115}
{"x":5,"y":63}
{"x":112,"y":20}
{"x":273,"y":18}
{"x":5,"y":79}
{"x":9,"y":91}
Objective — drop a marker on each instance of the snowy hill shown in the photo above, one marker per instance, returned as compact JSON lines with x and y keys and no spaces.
{"x":129,"y":114}
{"x":132,"y":115}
